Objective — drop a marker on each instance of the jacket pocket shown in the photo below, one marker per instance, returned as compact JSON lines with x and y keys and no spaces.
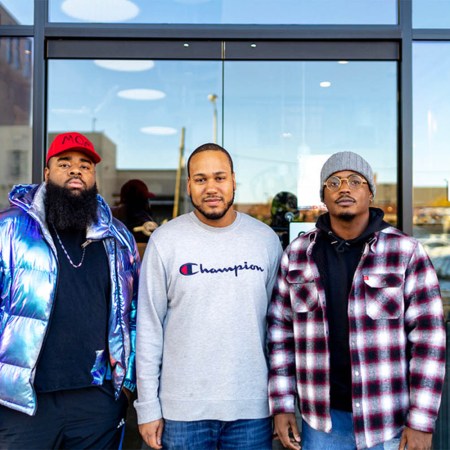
{"x":384,"y":295}
{"x":303,"y":292}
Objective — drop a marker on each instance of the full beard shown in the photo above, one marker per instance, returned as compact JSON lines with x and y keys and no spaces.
{"x":66,"y":210}
{"x":215,"y":215}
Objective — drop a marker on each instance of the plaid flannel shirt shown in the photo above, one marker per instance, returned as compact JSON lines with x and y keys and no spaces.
{"x":396,"y":333}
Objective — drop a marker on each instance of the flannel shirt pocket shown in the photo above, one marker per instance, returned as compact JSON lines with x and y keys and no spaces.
{"x":384,"y":295}
{"x":303,"y":292}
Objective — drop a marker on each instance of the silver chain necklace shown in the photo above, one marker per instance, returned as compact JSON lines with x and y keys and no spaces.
{"x":76,"y":266}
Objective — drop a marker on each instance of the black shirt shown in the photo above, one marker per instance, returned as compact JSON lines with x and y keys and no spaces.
{"x":337,"y":260}
{"x":75,"y":350}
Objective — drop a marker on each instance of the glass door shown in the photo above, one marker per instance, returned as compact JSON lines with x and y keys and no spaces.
{"x":279,"y":119}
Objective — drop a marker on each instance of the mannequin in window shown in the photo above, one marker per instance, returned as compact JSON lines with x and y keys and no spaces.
{"x":134,"y":209}
{"x":283,"y":211}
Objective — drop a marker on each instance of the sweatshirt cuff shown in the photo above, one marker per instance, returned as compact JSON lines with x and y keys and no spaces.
{"x":147,"y":411}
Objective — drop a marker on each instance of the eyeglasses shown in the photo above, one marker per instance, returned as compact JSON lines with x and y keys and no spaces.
{"x":354,"y":182}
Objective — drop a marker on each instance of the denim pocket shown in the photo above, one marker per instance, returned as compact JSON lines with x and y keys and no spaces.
{"x":384,"y":295}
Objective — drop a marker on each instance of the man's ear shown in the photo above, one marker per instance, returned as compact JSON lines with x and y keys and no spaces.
{"x":46,"y":173}
{"x":188,"y":189}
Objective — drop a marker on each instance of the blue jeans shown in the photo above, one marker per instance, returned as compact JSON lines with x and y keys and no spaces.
{"x":251,"y":434}
{"x":341,"y":436}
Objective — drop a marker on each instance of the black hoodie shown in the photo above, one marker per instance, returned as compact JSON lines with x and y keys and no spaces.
{"x":337,"y":260}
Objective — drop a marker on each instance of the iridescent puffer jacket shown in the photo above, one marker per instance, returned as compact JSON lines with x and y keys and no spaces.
{"x":28,"y":277}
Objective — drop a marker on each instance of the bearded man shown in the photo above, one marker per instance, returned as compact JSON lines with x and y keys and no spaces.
{"x":68,"y":285}
{"x":206,"y":280}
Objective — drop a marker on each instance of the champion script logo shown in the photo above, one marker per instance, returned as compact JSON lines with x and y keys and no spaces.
{"x":194,"y":268}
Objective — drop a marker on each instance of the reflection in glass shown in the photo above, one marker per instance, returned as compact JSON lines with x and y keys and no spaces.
{"x":136,"y":117}
{"x":281,"y":124}
{"x":15,"y":113}
{"x":431,"y":13}
{"x":16,"y":12}
{"x":279,"y":121}
{"x":431,"y":173}
{"x":307,"y":12}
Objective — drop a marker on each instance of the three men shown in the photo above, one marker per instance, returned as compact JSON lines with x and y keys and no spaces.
{"x":68,"y":287}
{"x":355,"y":326}
{"x":205,"y":284}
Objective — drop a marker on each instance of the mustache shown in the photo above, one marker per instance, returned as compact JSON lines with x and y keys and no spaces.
{"x":345,"y":197}
{"x":75,"y":178}
{"x":213,"y":197}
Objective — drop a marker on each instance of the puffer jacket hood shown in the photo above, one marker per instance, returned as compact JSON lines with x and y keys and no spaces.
{"x":28,"y":278}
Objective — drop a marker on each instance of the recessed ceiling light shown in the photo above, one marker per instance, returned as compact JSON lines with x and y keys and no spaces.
{"x":342,"y":62}
{"x":141,"y":94}
{"x":130,"y":65}
{"x":100,"y":10}
{"x":325,"y":84}
{"x":161,"y":131}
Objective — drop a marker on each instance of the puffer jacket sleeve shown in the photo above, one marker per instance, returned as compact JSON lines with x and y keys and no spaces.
{"x":2,"y":274}
{"x":130,"y":378}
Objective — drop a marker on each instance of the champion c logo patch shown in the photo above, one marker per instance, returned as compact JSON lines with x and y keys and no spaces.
{"x":188,"y":269}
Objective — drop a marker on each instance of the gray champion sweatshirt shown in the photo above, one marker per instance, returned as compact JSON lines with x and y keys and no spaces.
{"x":201,"y":320}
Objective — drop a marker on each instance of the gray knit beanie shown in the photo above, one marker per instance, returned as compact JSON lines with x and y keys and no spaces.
{"x":346,"y":161}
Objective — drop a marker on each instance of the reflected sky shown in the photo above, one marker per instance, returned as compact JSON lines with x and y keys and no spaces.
{"x":431,"y":113}
{"x":267,"y":114}
{"x":226,"y":11}
{"x":309,"y":12}
{"x":431,"y":13}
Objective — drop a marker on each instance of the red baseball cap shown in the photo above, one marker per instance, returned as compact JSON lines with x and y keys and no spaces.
{"x":73,"y":141}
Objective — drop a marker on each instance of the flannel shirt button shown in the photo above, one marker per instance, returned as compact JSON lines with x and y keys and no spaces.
{"x":356,"y":373}
{"x":358,"y":405}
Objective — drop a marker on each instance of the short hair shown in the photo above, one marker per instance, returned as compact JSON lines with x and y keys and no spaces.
{"x":209,"y":147}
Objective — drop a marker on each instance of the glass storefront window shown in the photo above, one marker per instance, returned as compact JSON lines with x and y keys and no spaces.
{"x":431,"y":174}
{"x":279,"y":120}
{"x":16,"y":12}
{"x":282,"y":120}
{"x":140,"y":114}
{"x":15,"y":113}
{"x":431,"y":13}
{"x":304,"y":12}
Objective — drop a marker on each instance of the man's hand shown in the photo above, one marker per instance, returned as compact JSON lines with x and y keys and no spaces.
{"x":286,"y":430}
{"x":415,"y":440}
{"x":151,"y":432}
